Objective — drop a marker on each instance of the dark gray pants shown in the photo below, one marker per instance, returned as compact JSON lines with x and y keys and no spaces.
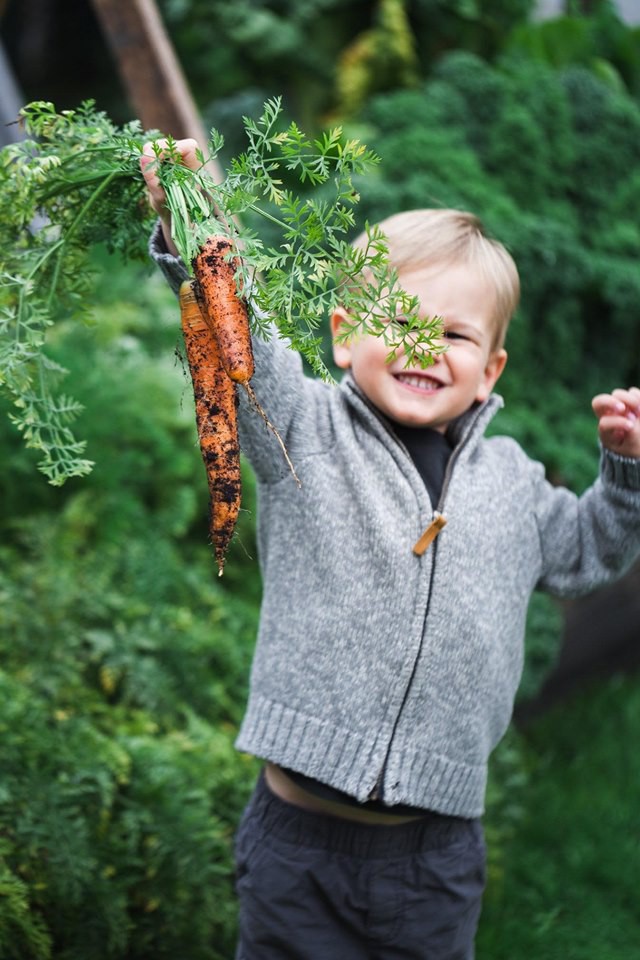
{"x":315,"y":887}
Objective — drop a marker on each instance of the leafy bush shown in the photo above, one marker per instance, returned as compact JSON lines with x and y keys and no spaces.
{"x":600,"y":41}
{"x":566,"y":882}
{"x":124,"y":666}
{"x":119,"y":701}
{"x":120,"y":832}
{"x":328,"y":55}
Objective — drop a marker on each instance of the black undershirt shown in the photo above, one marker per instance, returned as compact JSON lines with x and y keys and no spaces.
{"x":430,"y":450}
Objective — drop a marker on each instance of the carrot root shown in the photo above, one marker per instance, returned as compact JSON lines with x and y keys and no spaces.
{"x":256,"y":404}
{"x":224,"y":310}
{"x":216,"y":419}
{"x":217,"y":339}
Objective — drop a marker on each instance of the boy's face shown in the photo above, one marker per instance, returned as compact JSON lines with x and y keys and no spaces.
{"x":465,"y":373}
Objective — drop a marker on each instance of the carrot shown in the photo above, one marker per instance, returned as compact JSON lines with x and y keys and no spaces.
{"x":216,"y":418}
{"x":217,"y":339}
{"x":225,"y":311}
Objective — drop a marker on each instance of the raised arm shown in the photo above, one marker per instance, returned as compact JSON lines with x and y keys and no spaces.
{"x":590,"y":540}
{"x":282,"y":389}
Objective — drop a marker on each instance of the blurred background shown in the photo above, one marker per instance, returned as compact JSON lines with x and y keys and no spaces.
{"x":123,"y":658}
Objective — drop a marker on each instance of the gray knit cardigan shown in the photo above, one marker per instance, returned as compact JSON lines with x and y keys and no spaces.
{"x":378,"y":671}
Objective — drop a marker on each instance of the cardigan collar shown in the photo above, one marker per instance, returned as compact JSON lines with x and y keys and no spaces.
{"x":468,"y":428}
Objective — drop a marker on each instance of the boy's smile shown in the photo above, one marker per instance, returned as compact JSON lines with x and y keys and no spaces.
{"x":465,"y":373}
{"x":418,"y":381}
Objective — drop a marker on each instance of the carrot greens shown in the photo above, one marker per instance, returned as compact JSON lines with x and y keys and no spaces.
{"x":75,"y":181}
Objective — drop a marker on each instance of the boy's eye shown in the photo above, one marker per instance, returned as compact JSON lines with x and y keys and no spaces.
{"x":453,"y":335}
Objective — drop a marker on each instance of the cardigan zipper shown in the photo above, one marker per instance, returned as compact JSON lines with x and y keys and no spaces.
{"x":376,"y":792}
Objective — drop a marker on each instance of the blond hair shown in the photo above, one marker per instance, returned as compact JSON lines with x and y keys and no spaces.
{"x":421,"y":238}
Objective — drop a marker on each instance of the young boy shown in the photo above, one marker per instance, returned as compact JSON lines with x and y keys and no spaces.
{"x":396,"y":583}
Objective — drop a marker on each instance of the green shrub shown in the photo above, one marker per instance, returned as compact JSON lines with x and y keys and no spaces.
{"x":124,"y":667}
{"x":567,"y":875}
{"x":120,"y":832}
{"x":123,"y":679}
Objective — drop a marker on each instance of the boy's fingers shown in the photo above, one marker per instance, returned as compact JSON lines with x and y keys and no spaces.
{"x":148,"y":165}
{"x":605,"y":404}
{"x":620,"y":426}
{"x":630,"y":398}
{"x":618,"y":416}
{"x":186,"y":149}
{"x":621,"y":403}
{"x":621,"y":438}
{"x":152,"y":152}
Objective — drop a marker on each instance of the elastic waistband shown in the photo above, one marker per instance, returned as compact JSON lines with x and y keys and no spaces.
{"x":369,"y":841}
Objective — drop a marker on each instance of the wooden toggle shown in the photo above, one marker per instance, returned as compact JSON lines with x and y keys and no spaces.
{"x":432,"y":531}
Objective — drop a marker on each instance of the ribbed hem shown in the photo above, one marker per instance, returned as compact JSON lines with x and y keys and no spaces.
{"x":315,"y":747}
{"x":353,"y":763}
{"x":451,"y":787}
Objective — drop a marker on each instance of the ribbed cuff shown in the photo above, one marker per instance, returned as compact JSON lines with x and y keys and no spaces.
{"x":172,"y":267}
{"x":620,"y":471}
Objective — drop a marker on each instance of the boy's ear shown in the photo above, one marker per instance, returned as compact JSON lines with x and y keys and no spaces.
{"x":342,"y":350}
{"x":492,"y":372}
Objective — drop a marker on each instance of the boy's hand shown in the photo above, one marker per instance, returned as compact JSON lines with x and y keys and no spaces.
{"x":618,"y":416}
{"x":157,"y":199}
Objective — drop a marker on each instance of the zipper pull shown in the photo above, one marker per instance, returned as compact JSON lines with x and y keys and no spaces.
{"x":432,"y":531}
{"x":375,"y":793}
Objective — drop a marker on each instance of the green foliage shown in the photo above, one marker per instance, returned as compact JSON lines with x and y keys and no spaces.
{"x":559,"y":42}
{"x":22,"y":934}
{"x":504,"y":806}
{"x":265,"y":46}
{"x":115,"y":831}
{"x":124,"y":667}
{"x":606,"y":124}
{"x":479,"y":26}
{"x":509,"y":770}
{"x":601,"y":41}
{"x":380,"y":58}
{"x":327,"y":54}
{"x":567,"y":879}
{"x":68,"y":175}
{"x":544,"y":633}
{"x":75,"y":183}
{"x":118,"y":800}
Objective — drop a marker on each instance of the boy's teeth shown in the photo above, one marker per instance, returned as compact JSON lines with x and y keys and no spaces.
{"x":423,"y":383}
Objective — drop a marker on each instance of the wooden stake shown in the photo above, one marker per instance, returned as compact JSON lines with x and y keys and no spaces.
{"x":150,"y":71}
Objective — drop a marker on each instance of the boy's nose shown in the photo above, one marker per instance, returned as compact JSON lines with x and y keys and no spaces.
{"x":438,"y":355}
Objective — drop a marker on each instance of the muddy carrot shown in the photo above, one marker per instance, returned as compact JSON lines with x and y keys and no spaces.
{"x":223,"y":309}
{"x":216,"y":419}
